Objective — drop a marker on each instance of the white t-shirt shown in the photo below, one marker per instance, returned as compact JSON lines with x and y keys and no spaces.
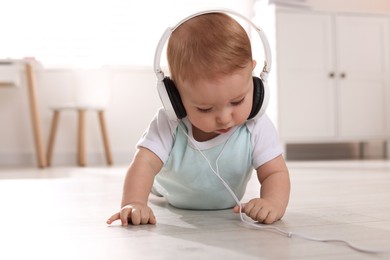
{"x":187,"y":180}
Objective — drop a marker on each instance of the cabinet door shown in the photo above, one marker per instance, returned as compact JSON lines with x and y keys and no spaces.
{"x":306,"y":89}
{"x":362,"y":67}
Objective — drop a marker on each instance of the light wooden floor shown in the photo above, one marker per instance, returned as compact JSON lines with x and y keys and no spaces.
{"x":60,"y":213}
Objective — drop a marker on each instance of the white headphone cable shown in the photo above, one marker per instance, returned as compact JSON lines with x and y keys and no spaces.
{"x":268,"y":227}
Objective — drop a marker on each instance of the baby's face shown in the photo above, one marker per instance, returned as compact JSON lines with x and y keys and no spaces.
{"x":214,"y":107}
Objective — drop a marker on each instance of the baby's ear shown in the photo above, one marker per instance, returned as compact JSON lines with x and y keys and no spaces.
{"x":254,"y":63}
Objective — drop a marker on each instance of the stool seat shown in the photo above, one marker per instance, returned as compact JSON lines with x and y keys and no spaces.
{"x":81,"y":151}
{"x":71,"y":106}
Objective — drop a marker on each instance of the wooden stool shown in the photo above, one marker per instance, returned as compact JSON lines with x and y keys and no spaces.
{"x":82,"y":158}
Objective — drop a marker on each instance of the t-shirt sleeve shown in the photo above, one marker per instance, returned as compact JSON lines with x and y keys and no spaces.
{"x":265,"y":141}
{"x":159,"y":135}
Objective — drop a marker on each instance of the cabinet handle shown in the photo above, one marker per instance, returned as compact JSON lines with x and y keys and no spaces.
{"x":343,"y":75}
{"x":331,"y":75}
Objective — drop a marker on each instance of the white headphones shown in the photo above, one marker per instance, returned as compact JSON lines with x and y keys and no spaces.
{"x":169,"y":94}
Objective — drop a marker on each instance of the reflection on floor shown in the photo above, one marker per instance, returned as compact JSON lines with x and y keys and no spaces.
{"x":60,"y":213}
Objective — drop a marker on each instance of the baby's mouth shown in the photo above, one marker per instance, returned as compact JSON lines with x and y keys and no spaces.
{"x":222,"y":131}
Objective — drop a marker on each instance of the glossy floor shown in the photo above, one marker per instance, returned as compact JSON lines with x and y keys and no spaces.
{"x":60,"y":213}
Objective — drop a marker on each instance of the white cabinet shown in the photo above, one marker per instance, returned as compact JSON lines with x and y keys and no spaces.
{"x":332,"y":76}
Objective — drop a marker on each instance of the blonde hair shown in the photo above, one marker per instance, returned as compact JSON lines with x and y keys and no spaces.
{"x":206,"y":47}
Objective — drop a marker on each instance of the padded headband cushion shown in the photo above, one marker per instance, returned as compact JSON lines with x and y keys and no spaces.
{"x":258,"y":97}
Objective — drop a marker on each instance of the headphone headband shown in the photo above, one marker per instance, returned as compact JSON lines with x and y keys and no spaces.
{"x":267,"y":50}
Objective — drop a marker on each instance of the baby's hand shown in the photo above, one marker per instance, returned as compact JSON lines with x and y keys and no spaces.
{"x":261,"y":210}
{"x":135,"y":213}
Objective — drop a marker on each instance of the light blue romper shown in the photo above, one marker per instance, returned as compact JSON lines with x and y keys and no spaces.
{"x":186,"y":179}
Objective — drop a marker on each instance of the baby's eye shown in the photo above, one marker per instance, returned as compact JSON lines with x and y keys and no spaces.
{"x":236,"y":103}
{"x":204,"y":110}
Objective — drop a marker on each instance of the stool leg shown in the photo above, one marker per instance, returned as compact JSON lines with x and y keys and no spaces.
{"x":105,"y":137}
{"x":36,"y":121}
{"x":53,"y":131}
{"x":82,"y":160}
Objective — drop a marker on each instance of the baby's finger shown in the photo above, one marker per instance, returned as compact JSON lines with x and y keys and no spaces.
{"x":135,"y":216}
{"x":271,"y":218}
{"x":236,"y":209}
{"x":152,"y":218}
{"x":262,"y":215}
{"x":113,"y":218}
{"x":145,"y":216}
{"x":125,"y":212}
{"x":248,"y":209}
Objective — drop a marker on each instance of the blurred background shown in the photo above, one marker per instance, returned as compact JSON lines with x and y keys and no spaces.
{"x":100,"y":53}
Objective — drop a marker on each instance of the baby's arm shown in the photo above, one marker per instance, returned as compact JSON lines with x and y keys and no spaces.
{"x":274,"y":193}
{"x":137,"y":186}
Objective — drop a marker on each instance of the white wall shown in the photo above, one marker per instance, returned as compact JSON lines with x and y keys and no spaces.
{"x":133,"y":102}
{"x":372,"y":6}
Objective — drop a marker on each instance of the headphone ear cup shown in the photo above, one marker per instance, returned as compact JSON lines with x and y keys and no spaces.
{"x":174,"y":97}
{"x":258,"y":99}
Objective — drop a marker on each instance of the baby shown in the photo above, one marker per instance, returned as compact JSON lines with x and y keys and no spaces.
{"x":216,"y":131}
